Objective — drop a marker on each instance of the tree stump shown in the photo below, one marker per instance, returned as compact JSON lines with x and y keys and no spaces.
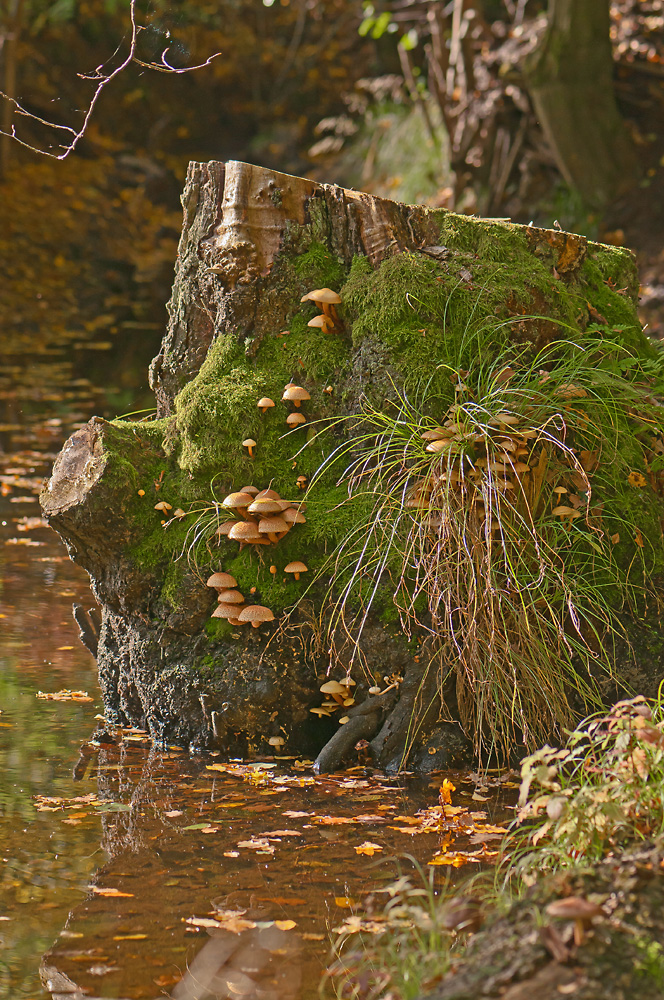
{"x":417,"y":287}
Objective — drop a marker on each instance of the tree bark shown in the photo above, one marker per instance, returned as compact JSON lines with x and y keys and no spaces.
{"x":570,"y":82}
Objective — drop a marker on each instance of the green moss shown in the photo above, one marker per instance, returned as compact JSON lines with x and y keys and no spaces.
{"x":414,"y":318}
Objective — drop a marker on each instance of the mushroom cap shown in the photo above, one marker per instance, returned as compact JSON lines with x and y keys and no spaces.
{"x":295,"y":392}
{"x":255,"y":613}
{"x":326,"y":295}
{"x":271,"y":525}
{"x":162,"y":505}
{"x":248,"y":443}
{"x":224,"y":528}
{"x":319,"y":711}
{"x":276,"y":741}
{"x":237,"y":500}
{"x":265,"y":403}
{"x":225,"y":611}
{"x":267,"y":495}
{"x":293,"y":516}
{"x":295,"y":419}
{"x":574,"y":908}
{"x":437,"y":434}
{"x":296,"y":567}
{"x":264,"y":505}
{"x":244,"y":531}
{"x":321,"y":321}
{"x":348,"y":682}
{"x":230,"y":597}
{"x":333,"y":687}
{"x":222,"y":580}
{"x":253,"y":490}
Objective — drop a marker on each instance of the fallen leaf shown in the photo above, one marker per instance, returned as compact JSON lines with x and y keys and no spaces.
{"x":368,"y":848}
{"x":445,"y":793}
{"x":100,"y":891}
{"x":129,"y":937}
{"x":285,"y":925}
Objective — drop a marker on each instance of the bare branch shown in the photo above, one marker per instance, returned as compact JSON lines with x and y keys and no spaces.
{"x":102,"y":78}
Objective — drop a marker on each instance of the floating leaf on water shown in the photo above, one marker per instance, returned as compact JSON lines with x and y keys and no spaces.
{"x":368,"y":848}
{"x":101,"y":891}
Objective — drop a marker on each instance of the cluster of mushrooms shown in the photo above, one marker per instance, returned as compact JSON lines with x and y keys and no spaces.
{"x":338,"y":695}
{"x":328,"y":321}
{"x":231,"y":604}
{"x":263,"y":519}
{"x":292,"y":393}
{"x":499,"y":457}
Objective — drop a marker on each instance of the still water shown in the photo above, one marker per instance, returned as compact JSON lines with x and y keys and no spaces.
{"x":127,"y":872}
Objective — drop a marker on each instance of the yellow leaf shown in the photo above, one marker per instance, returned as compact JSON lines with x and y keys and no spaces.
{"x":100,"y":891}
{"x":368,"y":848}
{"x":445,"y":794}
{"x":636,"y":479}
{"x":130,"y":937}
{"x":285,"y":925}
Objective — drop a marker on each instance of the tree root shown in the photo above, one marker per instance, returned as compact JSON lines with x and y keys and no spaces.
{"x":363,"y":722}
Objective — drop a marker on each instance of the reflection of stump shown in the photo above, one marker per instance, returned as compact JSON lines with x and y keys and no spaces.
{"x":253,"y":243}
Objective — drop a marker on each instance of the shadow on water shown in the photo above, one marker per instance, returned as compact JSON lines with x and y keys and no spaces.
{"x":129,"y":872}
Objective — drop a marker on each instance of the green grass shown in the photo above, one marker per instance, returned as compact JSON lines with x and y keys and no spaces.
{"x":519,"y":592}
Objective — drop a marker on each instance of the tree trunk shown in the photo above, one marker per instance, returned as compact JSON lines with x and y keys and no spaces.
{"x":253,"y":243}
{"x":570,"y":82}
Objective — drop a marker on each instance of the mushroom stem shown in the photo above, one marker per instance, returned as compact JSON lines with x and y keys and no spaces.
{"x":296,"y":575}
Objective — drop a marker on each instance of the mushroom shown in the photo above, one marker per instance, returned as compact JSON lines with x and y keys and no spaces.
{"x":267,"y":495}
{"x":163,"y":507}
{"x":295,"y":419}
{"x":575,"y":908}
{"x":320,"y":711}
{"x":325,"y":298}
{"x":256,"y":614}
{"x":230,"y":597}
{"x":276,"y":741}
{"x":238,"y":502}
{"x":224,"y":528}
{"x":273,"y":527}
{"x":302,"y":482}
{"x":221,"y":581}
{"x":265,"y":505}
{"x":253,"y":490}
{"x":246,"y":532}
{"x":324,"y":323}
{"x":265,"y":404}
{"x":296,"y":568}
{"x":374,"y":690}
{"x":328,"y":390}
{"x":437,"y":434}
{"x":293,"y":516}
{"x":337,"y":690}
{"x":273,"y":570}
{"x":249,"y":444}
{"x":295,"y":394}
{"x":227,"y":611}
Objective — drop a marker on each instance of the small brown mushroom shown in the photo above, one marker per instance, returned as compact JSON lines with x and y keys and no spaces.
{"x":238,"y":502}
{"x":230,"y":597}
{"x":293,"y":516}
{"x":163,"y":507}
{"x":328,"y":390}
{"x":224,"y":528}
{"x":302,"y":482}
{"x":267,"y":495}
{"x":337,"y":690}
{"x":320,"y":711}
{"x":575,"y":908}
{"x":265,"y":404}
{"x":247,"y":533}
{"x":249,"y":444}
{"x":296,"y":568}
{"x":227,"y":611}
{"x":264,"y":505}
{"x":221,"y":581}
{"x":273,"y":527}
{"x":295,"y":394}
{"x":256,"y":614}
{"x":322,"y":322}
{"x":253,"y":490}
{"x":276,"y":741}
{"x":295,"y":419}
{"x":273,"y":570}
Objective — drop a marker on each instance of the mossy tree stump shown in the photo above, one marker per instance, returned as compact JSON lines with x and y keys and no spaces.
{"x":416,"y":286}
